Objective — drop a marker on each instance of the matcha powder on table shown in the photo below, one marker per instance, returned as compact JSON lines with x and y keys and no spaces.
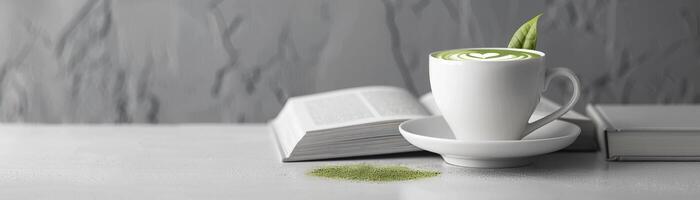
{"x":366,"y":172}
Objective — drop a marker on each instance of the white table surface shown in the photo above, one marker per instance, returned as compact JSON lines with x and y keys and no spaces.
{"x":241,"y":162}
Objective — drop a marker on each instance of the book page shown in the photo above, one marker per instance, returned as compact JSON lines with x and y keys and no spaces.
{"x":337,"y":109}
{"x":389,"y":103}
{"x":355,"y":106}
{"x":428,"y":102}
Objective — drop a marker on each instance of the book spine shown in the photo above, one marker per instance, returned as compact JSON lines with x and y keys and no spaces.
{"x":602,"y":125}
{"x":277,"y":131}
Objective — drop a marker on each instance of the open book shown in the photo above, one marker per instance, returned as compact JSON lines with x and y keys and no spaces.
{"x":362,"y":121}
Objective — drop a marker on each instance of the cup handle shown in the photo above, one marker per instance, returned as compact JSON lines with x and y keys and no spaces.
{"x":549,"y":75}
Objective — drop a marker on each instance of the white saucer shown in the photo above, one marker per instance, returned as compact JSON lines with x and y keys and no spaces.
{"x":433,"y":134}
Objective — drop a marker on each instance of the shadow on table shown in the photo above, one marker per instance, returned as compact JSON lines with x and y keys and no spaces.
{"x":418,"y":154}
{"x":549,"y":165}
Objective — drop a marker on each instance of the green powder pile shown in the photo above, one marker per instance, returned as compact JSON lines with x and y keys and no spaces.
{"x":365,"y":172}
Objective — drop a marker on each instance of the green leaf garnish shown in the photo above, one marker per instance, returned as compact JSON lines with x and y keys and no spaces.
{"x":526,"y":36}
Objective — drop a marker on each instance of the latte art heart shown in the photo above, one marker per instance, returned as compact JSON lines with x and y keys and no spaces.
{"x":485,"y":54}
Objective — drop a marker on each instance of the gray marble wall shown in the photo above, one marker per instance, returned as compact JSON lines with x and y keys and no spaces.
{"x":169,"y":61}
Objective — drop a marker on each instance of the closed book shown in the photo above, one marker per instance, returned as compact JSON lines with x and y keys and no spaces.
{"x":648,"y":132}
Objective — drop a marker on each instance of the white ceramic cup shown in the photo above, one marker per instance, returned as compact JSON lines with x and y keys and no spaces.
{"x":493,"y":100}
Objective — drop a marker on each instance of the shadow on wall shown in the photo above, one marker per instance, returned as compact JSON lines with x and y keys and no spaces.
{"x":101,"y":61}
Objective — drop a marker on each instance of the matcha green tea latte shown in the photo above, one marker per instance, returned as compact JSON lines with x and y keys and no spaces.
{"x":485,"y":54}
{"x":365,"y":172}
